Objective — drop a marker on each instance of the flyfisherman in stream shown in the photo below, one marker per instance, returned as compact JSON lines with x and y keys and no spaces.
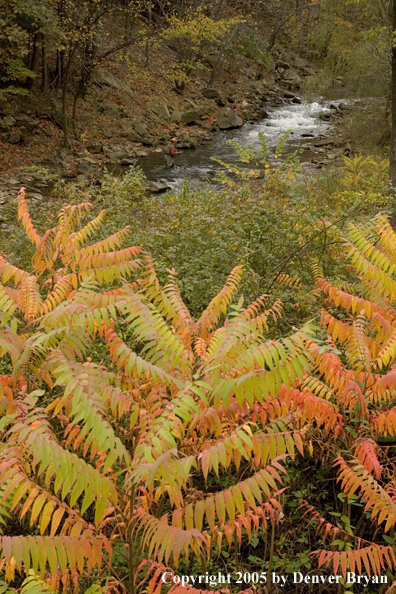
{"x":170,"y":156}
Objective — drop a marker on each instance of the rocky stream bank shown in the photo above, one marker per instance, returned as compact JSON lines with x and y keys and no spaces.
{"x":121,"y":138}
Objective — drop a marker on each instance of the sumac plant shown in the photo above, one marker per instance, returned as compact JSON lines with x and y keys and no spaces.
{"x":135,"y":438}
{"x":61,"y":261}
{"x":355,"y":370}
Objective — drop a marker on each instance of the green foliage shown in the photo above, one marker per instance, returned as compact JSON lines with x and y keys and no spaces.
{"x":352,"y":39}
{"x":249,"y":44}
{"x":18,"y":21}
{"x":198,"y":35}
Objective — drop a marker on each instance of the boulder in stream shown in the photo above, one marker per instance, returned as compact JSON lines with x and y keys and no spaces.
{"x":156,"y":187}
{"x":228,"y":118}
{"x":325,"y":117}
{"x":262,"y":113}
{"x":291,"y":77}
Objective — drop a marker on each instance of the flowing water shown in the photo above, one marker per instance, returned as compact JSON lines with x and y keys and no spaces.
{"x":197,"y":164}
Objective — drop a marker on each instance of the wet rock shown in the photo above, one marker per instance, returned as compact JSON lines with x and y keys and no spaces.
{"x":296,"y":100}
{"x":262,"y":114}
{"x":325,"y":117}
{"x":156,"y":187}
{"x":228,"y":118}
{"x":288,"y":95}
{"x":128,"y":161}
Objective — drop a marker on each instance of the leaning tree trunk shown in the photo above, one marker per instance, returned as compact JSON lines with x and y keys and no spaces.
{"x":392,"y":155}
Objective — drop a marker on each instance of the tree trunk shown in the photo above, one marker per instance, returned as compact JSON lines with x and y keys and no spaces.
{"x":392,"y":155}
{"x":60,"y":62}
{"x":77,"y":95}
{"x":35,"y":61}
{"x":81,"y":91}
{"x":65,"y":124}
{"x":44,"y":80}
{"x":66,"y":75}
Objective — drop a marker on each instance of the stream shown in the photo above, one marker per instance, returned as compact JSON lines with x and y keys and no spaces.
{"x":197,"y":164}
